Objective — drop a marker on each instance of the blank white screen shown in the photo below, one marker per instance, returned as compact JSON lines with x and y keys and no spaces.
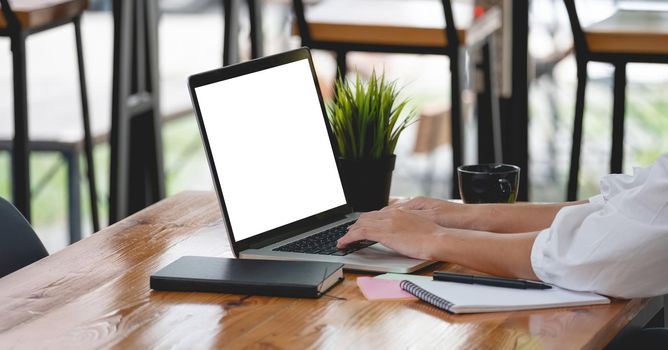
{"x":270,"y":146}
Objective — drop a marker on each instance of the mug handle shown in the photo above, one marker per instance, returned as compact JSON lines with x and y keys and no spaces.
{"x":505,"y":186}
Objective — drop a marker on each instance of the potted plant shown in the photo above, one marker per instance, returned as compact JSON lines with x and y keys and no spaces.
{"x":367,"y":119}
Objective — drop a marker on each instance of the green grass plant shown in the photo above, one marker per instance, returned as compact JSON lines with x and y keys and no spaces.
{"x":367,"y":118}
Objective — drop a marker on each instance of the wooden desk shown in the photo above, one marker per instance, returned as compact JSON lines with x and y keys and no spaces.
{"x":393,"y":22}
{"x":630,"y":31}
{"x":37,"y":13}
{"x":95,"y":294}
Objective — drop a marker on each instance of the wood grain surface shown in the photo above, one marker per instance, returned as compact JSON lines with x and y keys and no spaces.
{"x":630,"y":31}
{"x":395,"y":22}
{"x":95,"y":294}
{"x":36,"y":13}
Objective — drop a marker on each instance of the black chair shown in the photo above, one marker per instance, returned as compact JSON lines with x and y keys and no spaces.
{"x":624,"y":37}
{"x":646,"y":339}
{"x":19,"y":245}
{"x":18,"y":21}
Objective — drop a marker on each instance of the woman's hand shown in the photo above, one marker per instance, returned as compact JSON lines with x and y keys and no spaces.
{"x":441,"y":212}
{"x":401,"y":230}
{"x":411,"y":234}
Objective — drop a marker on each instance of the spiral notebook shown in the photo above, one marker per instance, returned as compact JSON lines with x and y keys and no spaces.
{"x":460,"y":298}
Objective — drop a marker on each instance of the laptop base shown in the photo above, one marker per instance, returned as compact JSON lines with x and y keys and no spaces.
{"x":376,"y":258}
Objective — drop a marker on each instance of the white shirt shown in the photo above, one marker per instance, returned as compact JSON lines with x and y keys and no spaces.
{"x":617,"y":244}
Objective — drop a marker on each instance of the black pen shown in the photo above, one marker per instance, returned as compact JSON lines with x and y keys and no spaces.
{"x":488,"y":281}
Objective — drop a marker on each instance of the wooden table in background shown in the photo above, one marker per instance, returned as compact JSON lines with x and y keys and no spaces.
{"x":390,"y":22}
{"x":95,"y":294}
{"x":626,"y":31}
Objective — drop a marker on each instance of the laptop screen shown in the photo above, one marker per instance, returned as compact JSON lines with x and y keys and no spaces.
{"x":270,"y":148}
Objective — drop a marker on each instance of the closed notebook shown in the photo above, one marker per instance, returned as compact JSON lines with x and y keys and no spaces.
{"x":249,"y":277}
{"x":461,"y":298}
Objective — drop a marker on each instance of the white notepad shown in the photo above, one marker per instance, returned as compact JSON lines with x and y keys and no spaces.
{"x":461,"y":298}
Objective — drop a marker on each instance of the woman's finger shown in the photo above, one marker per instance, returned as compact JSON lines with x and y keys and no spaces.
{"x":350,"y":237}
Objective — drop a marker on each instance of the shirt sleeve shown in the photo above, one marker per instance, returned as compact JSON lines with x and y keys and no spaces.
{"x":616,"y":244}
{"x":613,"y":184}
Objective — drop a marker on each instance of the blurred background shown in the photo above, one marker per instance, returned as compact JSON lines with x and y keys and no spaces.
{"x":191,"y":41}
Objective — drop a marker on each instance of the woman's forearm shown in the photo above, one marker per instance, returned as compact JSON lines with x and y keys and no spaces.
{"x":502,"y":255}
{"x":500,"y":218}
{"x":509,"y":218}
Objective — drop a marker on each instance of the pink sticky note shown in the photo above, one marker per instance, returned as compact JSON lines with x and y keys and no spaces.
{"x":382,"y":289}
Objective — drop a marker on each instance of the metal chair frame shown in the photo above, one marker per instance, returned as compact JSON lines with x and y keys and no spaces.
{"x":21,"y":147}
{"x":583,"y":55}
{"x":452,"y":50}
{"x":136,"y":169}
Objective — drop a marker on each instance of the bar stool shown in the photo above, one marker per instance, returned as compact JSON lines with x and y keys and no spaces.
{"x":373,"y":26}
{"x":627,"y":36}
{"x":18,"y":20}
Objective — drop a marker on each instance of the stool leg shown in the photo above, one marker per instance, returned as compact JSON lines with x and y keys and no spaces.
{"x":618,"y":110}
{"x":456,"y":117}
{"x":256,"y":34}
{"x":490,"y":149}
{"x":341,"y":64}
{"x":577,"y":133}
{"x":88,"y":138}
{"x":20,"y":151}
{"x":120,"y":113}
{"x":74,"y":197}
{"x":231,"y":32}
{"x":665,"y":311}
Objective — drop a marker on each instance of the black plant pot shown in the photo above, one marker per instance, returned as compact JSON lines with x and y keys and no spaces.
{"x":367,"y":182}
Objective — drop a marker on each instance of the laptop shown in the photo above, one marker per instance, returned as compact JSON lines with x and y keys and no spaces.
{"x":272,"y":159}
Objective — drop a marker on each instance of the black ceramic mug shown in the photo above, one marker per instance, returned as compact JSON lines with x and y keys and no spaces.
{"x":489,"y":183}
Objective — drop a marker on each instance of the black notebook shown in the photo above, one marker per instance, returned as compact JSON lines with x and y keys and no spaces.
{"x":298,"y":279}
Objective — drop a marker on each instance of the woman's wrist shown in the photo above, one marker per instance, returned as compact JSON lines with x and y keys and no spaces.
{"x":497,"y":254}
{"x":497,"y":218}
{"x":465,"y":217}
{"x":443,"y":245}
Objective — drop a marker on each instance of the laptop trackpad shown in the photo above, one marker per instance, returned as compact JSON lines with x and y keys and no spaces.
{"x":375,"y":251}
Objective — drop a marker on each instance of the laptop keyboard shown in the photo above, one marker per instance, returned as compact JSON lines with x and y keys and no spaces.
{"x":324,"y":243}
